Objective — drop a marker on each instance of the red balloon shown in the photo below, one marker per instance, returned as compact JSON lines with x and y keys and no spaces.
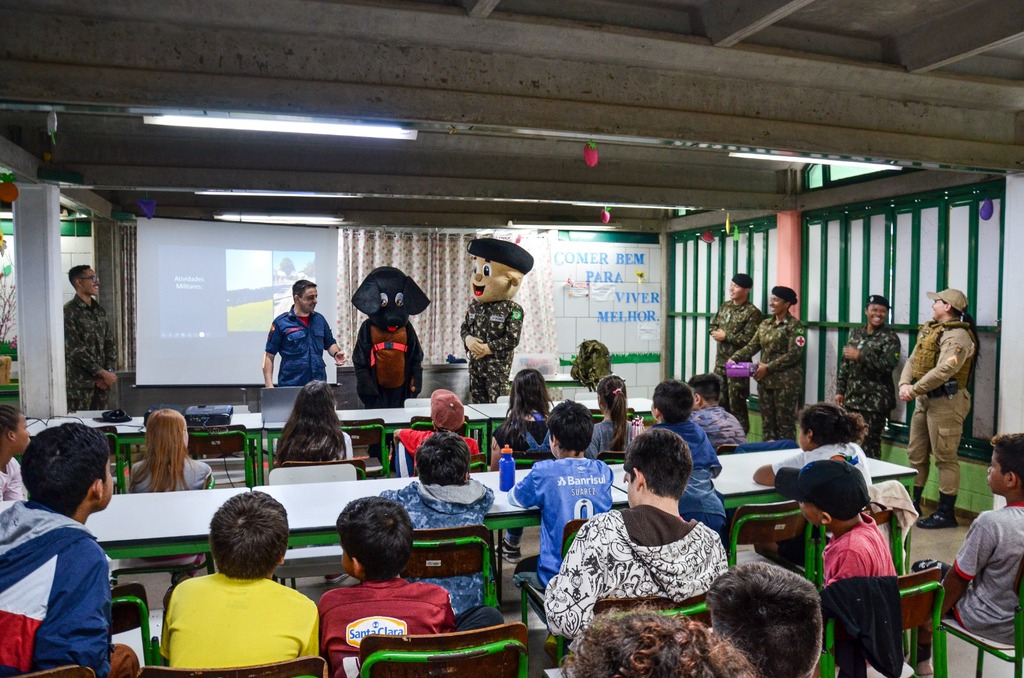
{"x":707,"y":237}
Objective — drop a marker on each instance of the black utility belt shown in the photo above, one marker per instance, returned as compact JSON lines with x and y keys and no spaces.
{"x":949,"y":389}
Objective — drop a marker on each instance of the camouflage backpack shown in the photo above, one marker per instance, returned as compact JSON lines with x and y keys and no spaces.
{"x":592,"y":363}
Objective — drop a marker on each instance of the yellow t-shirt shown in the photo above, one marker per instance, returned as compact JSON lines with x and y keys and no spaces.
{"x":217,"y":622}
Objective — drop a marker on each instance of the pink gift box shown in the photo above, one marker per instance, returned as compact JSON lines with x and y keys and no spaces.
{"x":740,"y":370}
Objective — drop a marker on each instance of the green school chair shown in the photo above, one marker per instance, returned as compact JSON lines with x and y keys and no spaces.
{"x":495,"y":652}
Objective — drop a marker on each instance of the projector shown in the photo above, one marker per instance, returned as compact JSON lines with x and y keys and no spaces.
{"x":204,"y":416}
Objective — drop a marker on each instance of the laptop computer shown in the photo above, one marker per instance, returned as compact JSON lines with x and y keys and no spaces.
{"x":276,"y":405}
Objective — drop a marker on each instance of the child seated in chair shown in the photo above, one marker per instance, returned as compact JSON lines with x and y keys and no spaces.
{"x":376,"y":543}
{"x":833,"y":494}
{"x":671,"y":406}
{"x":446,"y":496}
{"x":447,"y":414}
{"x":979,"y":585}
{"x":567,"y":487}
{"x":239,"y":616}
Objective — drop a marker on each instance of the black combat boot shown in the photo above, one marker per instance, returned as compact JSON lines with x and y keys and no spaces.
{"x":918,"y":491}
{"x":943,"y":516}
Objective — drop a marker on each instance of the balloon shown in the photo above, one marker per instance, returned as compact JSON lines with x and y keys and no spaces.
{"x":986,"y":209}
{"x":707,"y":237}
{"x":8,"y":192}
{"x":606,"y":216}
{"x":148,"y":207}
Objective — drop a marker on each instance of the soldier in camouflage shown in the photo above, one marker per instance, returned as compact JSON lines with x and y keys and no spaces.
{"x":493,"y":321}
{"x":780,"y":374}
{"x":733,"y":327}
{"x":90,"y":353}
{"x":937,"y":374}
{"x":865,"y":383}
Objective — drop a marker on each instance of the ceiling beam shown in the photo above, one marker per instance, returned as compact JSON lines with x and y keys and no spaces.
{"x":479,"y":9}
{"x":970,"y":30}
{"x":728,"y":22}
{"x":18,"y":160}
{"x":82,"y":199}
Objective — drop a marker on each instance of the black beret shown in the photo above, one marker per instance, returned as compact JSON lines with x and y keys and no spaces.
{"x":784,"y":293}
{"x":878,"y":299}
{"x":503,"y":252}
{"x":743,"y":280}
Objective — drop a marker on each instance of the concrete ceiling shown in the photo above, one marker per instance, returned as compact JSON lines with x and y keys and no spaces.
{"x":504,"y":94}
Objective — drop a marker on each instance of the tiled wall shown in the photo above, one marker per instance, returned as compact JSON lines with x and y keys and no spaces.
{"x":617,"y":321}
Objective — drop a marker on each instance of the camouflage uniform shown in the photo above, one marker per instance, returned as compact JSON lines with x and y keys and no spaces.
{"x":866,"y":384}
{"x":721,"y":427}
{"x":497,"y":324}
{"x":88,"y":348}
{"x":944,"y":351}
{"x":780,"y":392}
{"x":739,"y":322}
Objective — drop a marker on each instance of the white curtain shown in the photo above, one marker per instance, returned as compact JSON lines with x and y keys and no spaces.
{"x":440,"y":265}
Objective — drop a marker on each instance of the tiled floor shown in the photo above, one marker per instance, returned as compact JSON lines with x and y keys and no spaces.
{"x":937,"y":544}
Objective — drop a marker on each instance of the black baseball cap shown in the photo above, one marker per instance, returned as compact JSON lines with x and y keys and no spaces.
{"x":878,"y":299}
{"x":836,"y":487}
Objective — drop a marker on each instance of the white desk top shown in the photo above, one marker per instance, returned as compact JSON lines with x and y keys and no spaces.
{"x":38,"y":425}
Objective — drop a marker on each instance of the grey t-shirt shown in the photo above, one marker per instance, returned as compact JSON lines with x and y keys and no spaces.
{"x":601,"y":439}
{"x":196,"y":475}
{"x":989,"y":558}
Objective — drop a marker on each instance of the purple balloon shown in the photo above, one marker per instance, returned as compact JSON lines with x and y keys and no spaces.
{"x":148,"y":207}
{"x":985,"y":212}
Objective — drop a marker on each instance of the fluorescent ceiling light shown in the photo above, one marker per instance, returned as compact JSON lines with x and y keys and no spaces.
{"x":779,"y":157}
{"x":279,"y":194}
{"x":555,"y":226}
{"x":289,"y":124}
{"x":287,"y":219}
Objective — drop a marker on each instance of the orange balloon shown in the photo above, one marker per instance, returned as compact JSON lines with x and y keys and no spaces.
{"x":8,"y":192}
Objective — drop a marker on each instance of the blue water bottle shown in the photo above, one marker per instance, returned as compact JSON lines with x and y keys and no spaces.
{"x":506,"y":470}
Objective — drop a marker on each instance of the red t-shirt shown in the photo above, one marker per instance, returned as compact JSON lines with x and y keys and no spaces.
{"x":861,"y":552}
{"x":411,"y":440}
{"x":395,"y":607}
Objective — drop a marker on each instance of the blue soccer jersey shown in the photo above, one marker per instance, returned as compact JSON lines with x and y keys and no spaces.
{"x":564,"y":489}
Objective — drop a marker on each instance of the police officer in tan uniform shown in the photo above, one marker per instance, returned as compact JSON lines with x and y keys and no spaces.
{"x":937,"y":374}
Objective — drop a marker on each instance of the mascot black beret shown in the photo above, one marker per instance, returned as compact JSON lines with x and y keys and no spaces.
{"x":503,"y":252}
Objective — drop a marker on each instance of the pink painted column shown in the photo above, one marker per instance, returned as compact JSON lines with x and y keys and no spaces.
{"x":788,"y":262}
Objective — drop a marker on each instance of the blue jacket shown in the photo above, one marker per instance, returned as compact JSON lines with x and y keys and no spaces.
{"x":700,"y":495}
{"x":301,"y":349}
{"x":435,"y":506}
{"x":55,"y":593}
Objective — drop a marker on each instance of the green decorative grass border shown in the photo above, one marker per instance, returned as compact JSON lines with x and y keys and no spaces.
{"x":622,"y":359}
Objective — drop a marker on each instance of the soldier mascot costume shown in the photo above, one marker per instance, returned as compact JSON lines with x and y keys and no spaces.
{"x":493,"y":321}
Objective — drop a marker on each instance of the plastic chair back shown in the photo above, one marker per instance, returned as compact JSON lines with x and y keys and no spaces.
{"x":611,"y":457}
{"x":326,"y":472}
{"x":454,"y":552}
{"x":129,"y":610}
{"x":368,"y":440}
{"x":416,"y":402}
{"x":771,"y":523}
{"x":69,"y":671}
{"x":314,"y":667}
{"x":694,"y":606}
{"x":726,"y":448}
{"x":495,"y":652}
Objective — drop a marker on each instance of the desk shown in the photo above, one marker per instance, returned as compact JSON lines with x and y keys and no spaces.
{"x":496,"y":412}
{"x":176,"y":523}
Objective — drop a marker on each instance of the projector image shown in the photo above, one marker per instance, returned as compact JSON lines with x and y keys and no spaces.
{"x":740,"y":370}
{"x":203,"y":416}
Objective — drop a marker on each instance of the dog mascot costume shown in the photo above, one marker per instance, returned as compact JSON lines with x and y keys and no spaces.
{"x":387,"y":355}
{"x":493,"y":322}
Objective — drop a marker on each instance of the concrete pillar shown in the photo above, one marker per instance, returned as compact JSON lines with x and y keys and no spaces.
{"x":789,"y":265}
{"x":38,"y":276}
{"x":1011,"y":370}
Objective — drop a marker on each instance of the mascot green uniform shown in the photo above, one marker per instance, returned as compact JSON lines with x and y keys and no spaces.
{"x":493,"y":322}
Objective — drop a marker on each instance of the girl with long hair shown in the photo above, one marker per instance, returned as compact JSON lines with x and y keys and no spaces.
{"x":528,"y":408}
{"x":610,"y":433}
{"x":313,"y":431}
{"x":167,"y":466}
{"x":13,"y":441}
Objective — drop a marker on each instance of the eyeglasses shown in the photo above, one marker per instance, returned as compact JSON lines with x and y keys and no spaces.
{"x":94,"y":278}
